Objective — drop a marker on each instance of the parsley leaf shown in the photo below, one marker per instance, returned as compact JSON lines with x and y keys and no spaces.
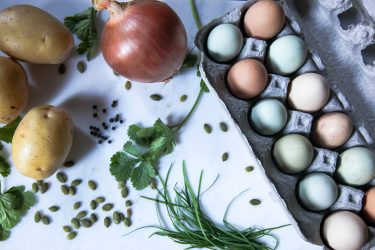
{"x":121,"y":166}
{"x":83,"y":25}
{"x":4,"y":234}
{"x":7,"y":132}
{"x":190,"y":61}
{"x":142,"y":175}
{"x":4,"y":167}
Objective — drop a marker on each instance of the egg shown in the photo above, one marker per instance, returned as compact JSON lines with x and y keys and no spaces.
{"x":286,"y":55}
{"x":344,"y":230}
{"x":224,"y":42}
{"x":308,"y":92}
{"x":264,"y":19}
{"x":369,"y":205}
{"x":332,"y":130}
{"x":293,"y":153}
{"x":247,"y":78}
{"x":356,"y":166}
{"x":317,"y":191}
{"x":268,"y":117}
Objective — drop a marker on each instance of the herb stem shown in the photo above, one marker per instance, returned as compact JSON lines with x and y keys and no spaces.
{"x":194,"y":11}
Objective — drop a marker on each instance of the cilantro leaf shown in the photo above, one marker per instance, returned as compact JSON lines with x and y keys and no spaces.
{"x":141,"y":176}
{"x":142,"y":136}
{"x":4,"y":234}
{"x":121,"y":166}
{"x":164,"y":141}
{"x":1,"y":147}
{"x":7,"y":132}
{"x":131,"y":149}
{"x":190,"y":61}
{"x":4,"y":167}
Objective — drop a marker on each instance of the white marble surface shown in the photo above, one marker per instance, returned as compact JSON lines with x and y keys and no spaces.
{"x":78,"y":92}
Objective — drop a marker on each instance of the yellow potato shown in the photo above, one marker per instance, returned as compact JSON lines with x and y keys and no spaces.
{"x":42,"y":141}
{"x":30,"y":34}
{"x":14,"y":90}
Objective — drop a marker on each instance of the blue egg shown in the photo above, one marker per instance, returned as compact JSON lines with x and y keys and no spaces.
{"x":286,"y":55}
{"x":268,"y":117}
{"x":224,"y":42}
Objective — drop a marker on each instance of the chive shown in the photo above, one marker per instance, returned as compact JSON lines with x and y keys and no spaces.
{"x":255,"y":202}
{"x":62,"y":69}
{"x":225,"y":156}
{"x":128,"y":85}
{"x":223,"y":127}
{"x":81,"y":67}
{"x":183,"y":98}
{"x":207,"y":128}
{"x":156,"y":97}
{"x":249,"y":169}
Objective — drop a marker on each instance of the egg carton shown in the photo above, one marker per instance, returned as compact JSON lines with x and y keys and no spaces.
{"x":306,"y":222}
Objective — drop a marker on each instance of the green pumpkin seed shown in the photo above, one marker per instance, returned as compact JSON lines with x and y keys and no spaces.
{"x":128,"y":203}
{"x":86,"y":223}
{"x":81,"y":215}
{"x":76,"y":182}
{"x":93,"y":204}
{"x":46,"y":220}
{"x":93,"y":218}
{"x":129,"y":212}
{"x":35,"y":187}
{"x":127,"y":222}
{"x":44,"y":188}
{"x":72,"y":190}
{"x":77,"y":205}
{"x":81,"y":67}
{"x":75,"y":223}
{"x":225,"y":156}
{"x":67,"y":229}
{"x":100,"y":199}
{"x":65,"y":189}
{"x":71,"y":235}
{"x":124,"y":192}
{"x":54,"y":208}
{"x":116,"y":218}
{"x":128,"y":85}
{"x":183,"y":98}
{"x":223,"y":127}
{"x":255,"y":202}
{"x":156,"y":97}
{"x":121,"y":185}
{"x":62,"y":69}
{"x":37,"y":217}
{"x":61,"y":177}
{"x":154,"y":183}
{"x":107,"y":207}
{"x":92,"y":184}
{"x":122,"y":216}
{"x":39,"y":182}
{"x":249,"y":169}
{"x":69,"y":164}
{"x":207,"y":128}
{"x":107,"y":221}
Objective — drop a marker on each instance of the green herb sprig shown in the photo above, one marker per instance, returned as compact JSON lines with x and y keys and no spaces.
{"x":193,"y":228}
{"x":138,"y":159}
{"x":6,"y":135}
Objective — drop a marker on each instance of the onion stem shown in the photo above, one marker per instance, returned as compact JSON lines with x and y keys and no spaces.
{"x":194,"y":11}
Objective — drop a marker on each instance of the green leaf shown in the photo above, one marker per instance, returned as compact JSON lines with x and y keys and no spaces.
{"x":164,"y":142}
{"x":204,"y":86}
{"x":142,"y":136}
{"x":9,"y":216}
{"x":1,"y":147}
{"x":141,"y":176}
{"x":4,"y":234}
{"x":190,"y":61}
{"x":4,"y":167}
{"x":121,"y":166}
{"x":7,"y":132}
{"x":131,"y":149}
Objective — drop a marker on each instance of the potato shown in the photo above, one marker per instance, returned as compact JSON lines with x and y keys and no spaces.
{"x":32,"y":35}
{"x":42,"y":141}
{"x":14,"y":90}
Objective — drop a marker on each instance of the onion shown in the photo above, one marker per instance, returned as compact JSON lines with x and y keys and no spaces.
{"x":143,"y":40}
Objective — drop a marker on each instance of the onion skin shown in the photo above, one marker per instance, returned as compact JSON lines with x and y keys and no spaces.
{"x":144,"y":40}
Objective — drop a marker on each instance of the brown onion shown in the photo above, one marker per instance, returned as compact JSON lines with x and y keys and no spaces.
{"x":143,"y":40}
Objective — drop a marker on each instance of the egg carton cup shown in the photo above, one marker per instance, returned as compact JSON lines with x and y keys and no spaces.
{"x":306,"y":222}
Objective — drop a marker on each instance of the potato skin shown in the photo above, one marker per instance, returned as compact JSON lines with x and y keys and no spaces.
{"x":42,"y":141}
{"x":32,"y":35}
{"x":14,"y":89}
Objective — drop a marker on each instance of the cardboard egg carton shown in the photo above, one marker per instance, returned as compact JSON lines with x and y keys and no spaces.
{"x":307,"y":222}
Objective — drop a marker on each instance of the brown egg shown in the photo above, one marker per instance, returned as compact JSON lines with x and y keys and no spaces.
{"x":332,"y":130}
{"x":369,"y":205}
{"x":247,"y":78}
{"x":264,"y":19}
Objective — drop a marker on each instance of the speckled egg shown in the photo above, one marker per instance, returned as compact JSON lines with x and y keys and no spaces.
{"x":308,"y":92}
{"x":268,"y":117}
{"x":356,"y":166}
{"x":286,"y":55}
{"x":344,"y":230}
{"x":247,"y":78}
{"x":317,"y":191}
{"x":264,"y":19}
{"x":369,"y":205}
{"x":224,"y":42}
{"x":293,"y":153}
{"x":332,"y":130}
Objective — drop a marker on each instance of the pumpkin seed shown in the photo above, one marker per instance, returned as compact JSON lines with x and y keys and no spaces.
{"x":37,"y":217}
{"x":127,"y":222}
{"x":92,"y":184}
{"x":86,"y":223}
{"x":62,"y":69}
{"x":207,"y":128}
{"x":39,"y":182}
{"x":107,"y":221}
{"x":156,"y":97}
{"x":124,"y":192}
{"x":54,"y":208}
{"x":154,"y":183}
{"x":67,"y":229}
{"x":93,"y":218}
{"x":128,"y":203}
{"x":93,"y":204}
{"x":81,"y":215}
{"x":121,"y":185}
{"x":44,"y":188}
{"x":75,"y":223}
{"x":76,"y":182}
{"x":249,"y":169}
{"x":116,"y":218}
{"x":77,"y":205}
{"x":183,"y":98}
{"x":225,"y":156}
{"x":65,"y":189}
{"x":61,"y":177}
{"x":107,"y":207}
{"x":81,"y":67}
{"x":129,"y":212}
{"x":128,"y":85}
{"x":46,"y":220}
{"x":71,"y":235}
{"x":100,"y":199}
{"x":72,"y":190}
{"x":69,"y":164}
{"x":122,"y":216}
{"x":255,"y":202}
{"x":223,"y":127}
{"x":35,"y":187}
